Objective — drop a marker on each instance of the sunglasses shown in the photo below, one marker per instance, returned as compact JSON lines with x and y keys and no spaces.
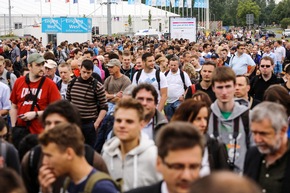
{"x":267,"y":66}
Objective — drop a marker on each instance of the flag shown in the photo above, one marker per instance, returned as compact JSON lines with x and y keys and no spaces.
{"x":189,"y":3}
{"x":37,"y":0}
{"x":163,"y":3}
{"x":66,"y":1}
{"x":148,"y":2}
{"x":158,"y":2}
{"x":131,"y":2}
{"x":153,"y":2}
{"x":172,"y":2}
{"x":92,"y":1}
{"x":176,"y":3}
{"x":180,"y":4}
{"x":76,"y":1}
{"x":200,"y":4}
{"x":47,"y":1}
{"x":167,"y":3}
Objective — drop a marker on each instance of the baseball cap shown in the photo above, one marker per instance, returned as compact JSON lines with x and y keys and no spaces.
{"x":208,"y":56}
{"x":114,"y":62}
{"x":36,"y":57}
{"x":214,"y":55}
{"x":50,"y":64}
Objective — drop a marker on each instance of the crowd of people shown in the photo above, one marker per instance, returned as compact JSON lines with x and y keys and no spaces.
{"x":121,"y":114}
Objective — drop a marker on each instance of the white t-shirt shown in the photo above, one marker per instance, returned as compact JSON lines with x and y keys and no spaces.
{"x":151,"y":79}
{"x":175,"y":85}
{"x":280,"y":52}
{"x":63,"y":90}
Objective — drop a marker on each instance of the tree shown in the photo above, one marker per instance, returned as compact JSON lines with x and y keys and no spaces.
{"x":285,"y":23}
{"x":149,"y":18}
{"x":129,"y":20}
{"x":247,"y":7}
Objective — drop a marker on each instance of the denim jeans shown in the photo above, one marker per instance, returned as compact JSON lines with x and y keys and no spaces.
{"x":89,"y":133}
{"x":278,"y":68}
{"x":170,"y":109}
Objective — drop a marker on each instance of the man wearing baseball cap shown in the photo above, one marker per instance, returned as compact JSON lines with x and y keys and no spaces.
{"x":30,"y":95}
{"x":50,"y":69}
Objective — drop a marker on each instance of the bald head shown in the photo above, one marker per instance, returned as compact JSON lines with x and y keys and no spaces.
{"x":224,"y":182}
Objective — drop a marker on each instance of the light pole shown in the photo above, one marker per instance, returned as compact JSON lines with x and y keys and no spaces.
{"x":9,"y":4}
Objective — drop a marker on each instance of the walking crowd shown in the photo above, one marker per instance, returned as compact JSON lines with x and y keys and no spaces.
{"x":136,"y":115}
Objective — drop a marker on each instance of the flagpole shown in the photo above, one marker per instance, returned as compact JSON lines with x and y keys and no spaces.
{"x":69,"y":9}
{"x":50,"y":8}
{"x":40,"y":8}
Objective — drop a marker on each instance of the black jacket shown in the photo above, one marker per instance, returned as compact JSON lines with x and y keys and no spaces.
{"x":155,"y":188}
{"x":253,"y":163}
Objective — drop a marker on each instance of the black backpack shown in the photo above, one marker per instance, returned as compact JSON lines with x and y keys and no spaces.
{"x":157,"y":75}
{"x":181,"y":76}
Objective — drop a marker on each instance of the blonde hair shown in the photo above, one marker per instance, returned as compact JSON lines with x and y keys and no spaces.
{"x":190,"y":70}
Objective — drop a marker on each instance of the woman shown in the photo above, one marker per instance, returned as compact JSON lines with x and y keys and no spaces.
{"x":215,"y":154}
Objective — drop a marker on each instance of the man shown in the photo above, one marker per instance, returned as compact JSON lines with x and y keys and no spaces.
{"x":31,"y":94}
{"x":65,"y":72}
{"x":206,"y":49}
{"x":138,"y":63}
{"x":88,"y":95}
{"x":224,"y":57}
{"x":154,"y":119}
{"x":241,"y":93}
{"x":268,"y":162}
{"x":50,"y":69}
{"x":15,"y":53}
{"x":180,"y":148}
{"x":177,"y":81}
{"x":58,"y":112}
{"x":261,"y":82}
{"x":127,"y":66}
{"x":151,"y":76}
{"x":229,"y":120}
{"x":4,"y":100}
{"x":61,"y":54}
{"x":88,"y":55}
{"x":23,"y":54}
{"x":280,"y":53}
{"x":11,"y":182}
{"x":115,"y":84}
{"x":205,"y":83}
{"x":130,"y":155}
{"x":268,"y":52}
{"x":63,"y":150}
{"x":241,"y":61}
{"x":6,"y":77}
{"x":77,"y":54}
{"x":186,"y":57}
{"x":221,"y":182}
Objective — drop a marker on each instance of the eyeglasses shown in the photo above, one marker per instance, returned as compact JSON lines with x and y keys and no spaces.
{"x":178,"y":167}
{"x":263,"y":66}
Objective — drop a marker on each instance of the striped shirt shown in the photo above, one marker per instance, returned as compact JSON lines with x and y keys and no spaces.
{"x":82,"y":95}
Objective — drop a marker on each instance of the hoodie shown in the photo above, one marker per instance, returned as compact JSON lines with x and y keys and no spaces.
{"x":138,"y":167}
{"x":226,"y":131}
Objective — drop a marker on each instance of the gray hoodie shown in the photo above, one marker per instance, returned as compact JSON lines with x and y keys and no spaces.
{"x":138,"y":167}
{"x":226,"y":131}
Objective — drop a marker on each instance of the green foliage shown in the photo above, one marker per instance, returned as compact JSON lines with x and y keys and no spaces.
{"x":129,"y":20}
{"x":149,"y":18}
{"x":285,"y":23}
{"x":247,"y":7}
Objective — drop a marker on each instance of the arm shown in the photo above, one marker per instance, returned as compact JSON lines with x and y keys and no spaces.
{"x":163,"y":93}
{"x":101,"y":116}
{"x":13,"y":114}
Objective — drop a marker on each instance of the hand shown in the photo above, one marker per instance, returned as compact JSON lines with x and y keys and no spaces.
{"x":119,"y":94}
{"x":2,"y":162}
{"x":181,"y":98}
{"x":28,"y":116}
{"x":96,"y":124}
{"x":46,"y":178}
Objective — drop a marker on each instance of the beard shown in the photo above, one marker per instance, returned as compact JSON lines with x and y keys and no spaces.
{"x":269,"y":149}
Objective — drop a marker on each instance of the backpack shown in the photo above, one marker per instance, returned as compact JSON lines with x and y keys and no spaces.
{"x":34,"y":158}
{"x":103,"y":132}
{"x":3,"y":151}
{"x":94,"y":84}
{"x":181,"y":76}
{"x":157,"y":75}
{"x":245,"y":120}
{"x":8,"y":77}
{"x":92,"y":180}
